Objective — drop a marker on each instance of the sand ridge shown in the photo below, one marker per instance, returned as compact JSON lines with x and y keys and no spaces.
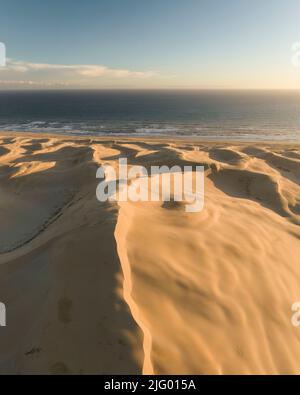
{"x":146,"y":287}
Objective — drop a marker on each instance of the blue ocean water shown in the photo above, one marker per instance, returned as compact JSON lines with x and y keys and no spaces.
{"x":238,"y":115}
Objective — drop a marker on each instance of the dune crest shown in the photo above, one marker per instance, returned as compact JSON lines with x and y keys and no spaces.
{"x":146,"y":287}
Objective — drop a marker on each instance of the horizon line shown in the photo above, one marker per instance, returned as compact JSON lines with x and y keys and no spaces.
{"x":145,"y":89}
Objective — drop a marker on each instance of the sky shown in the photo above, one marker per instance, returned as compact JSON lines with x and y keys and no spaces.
{"x":188,"y":44}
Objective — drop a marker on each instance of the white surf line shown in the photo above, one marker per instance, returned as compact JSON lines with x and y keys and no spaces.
{"x":121,"y":231}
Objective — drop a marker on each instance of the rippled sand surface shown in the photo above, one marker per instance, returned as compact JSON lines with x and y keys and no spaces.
{"x":146,"y":287}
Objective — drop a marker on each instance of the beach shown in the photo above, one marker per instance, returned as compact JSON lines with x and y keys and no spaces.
{"x":143,"y":287}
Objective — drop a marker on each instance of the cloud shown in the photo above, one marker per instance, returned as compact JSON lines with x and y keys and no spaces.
{"x":32,"y":83}
{"x":69,"y":71}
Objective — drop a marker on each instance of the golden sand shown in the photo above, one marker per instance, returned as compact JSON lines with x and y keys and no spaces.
{"x":128,"y":287}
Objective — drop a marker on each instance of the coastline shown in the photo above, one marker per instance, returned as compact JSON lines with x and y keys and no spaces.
{"x":174,"y":138}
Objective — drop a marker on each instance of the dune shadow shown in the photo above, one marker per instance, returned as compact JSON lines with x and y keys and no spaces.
{"x":245,"y":184}
{"x":286,"y":166}
{"x":3,"y":151}
{"x":63,"y":284}
{"x":225,"y":155}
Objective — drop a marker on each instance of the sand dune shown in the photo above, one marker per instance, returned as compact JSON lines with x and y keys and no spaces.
{"x":146,"y":287}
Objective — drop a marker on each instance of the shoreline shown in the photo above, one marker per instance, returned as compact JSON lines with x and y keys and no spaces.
{"x":153,"y":138}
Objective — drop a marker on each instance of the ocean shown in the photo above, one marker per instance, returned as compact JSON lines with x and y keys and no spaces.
{"x":222,"y":115}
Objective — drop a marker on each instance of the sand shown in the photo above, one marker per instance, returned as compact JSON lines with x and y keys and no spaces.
{"x":145,"y":287}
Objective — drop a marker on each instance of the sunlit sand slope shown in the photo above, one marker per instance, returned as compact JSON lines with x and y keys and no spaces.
{"x":146,"y":287}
